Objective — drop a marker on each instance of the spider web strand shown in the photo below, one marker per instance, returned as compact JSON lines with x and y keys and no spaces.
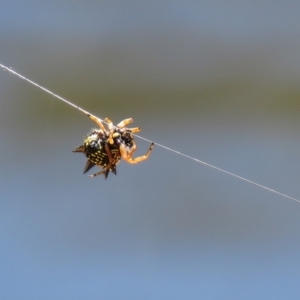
{"x":157,"y":144}
{"x":49,"y":92}
{"x":221,"y":170}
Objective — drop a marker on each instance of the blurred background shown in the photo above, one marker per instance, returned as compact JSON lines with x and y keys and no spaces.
{"x":217,"y":80}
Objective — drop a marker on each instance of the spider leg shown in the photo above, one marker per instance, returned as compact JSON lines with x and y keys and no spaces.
{"x":110,"y":158}
{"x":103,"y":171}
{"x":127,"y":153}
{"x":98,"y":122}
{"x":134,"y":130}
{"x":109,"y":123}
{"x":124,"y":123}
{"x":111,"y":129}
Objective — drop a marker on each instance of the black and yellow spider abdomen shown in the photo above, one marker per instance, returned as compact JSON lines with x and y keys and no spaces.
{"x":95,"y":152}
{"x":95,"y":149}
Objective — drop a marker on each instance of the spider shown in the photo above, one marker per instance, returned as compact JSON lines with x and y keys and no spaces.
{"x":105,"y":148}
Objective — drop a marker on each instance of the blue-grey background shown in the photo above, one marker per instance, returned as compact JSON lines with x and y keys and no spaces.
{"x":217,"y":80}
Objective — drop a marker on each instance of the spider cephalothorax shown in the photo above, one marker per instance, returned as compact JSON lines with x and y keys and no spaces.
{"x":105,"y":148}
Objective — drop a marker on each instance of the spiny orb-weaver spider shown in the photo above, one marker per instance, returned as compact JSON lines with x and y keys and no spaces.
{"x":105,"y":148}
